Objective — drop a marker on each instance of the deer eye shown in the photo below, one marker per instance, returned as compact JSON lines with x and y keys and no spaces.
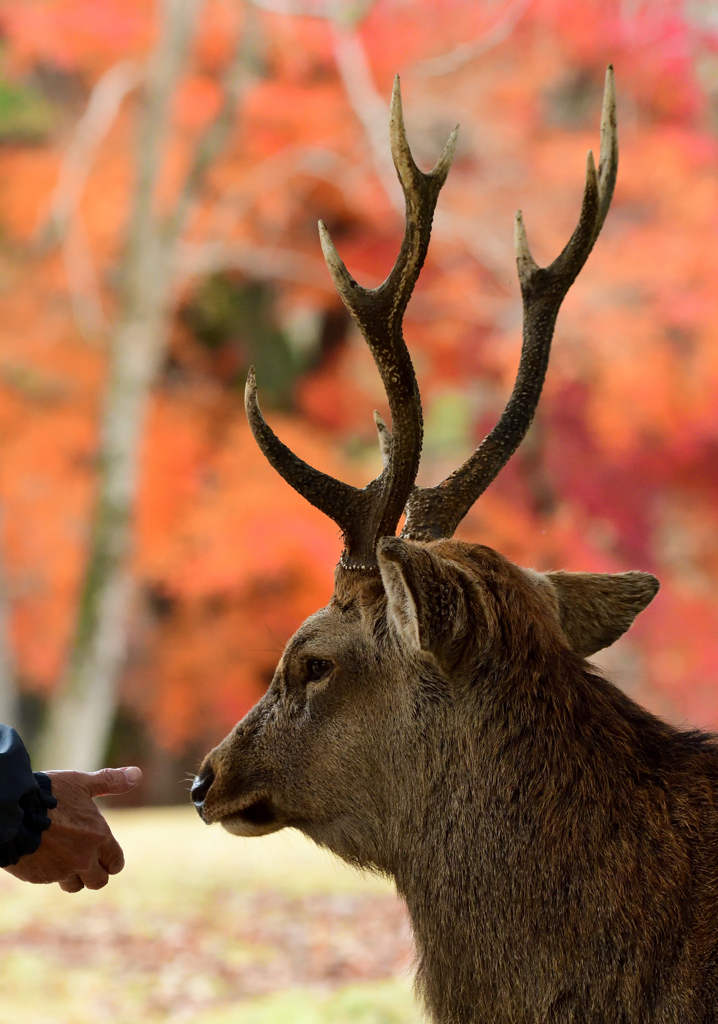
{"x":317,"y":668}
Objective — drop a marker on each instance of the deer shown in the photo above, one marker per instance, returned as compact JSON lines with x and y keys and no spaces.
{"x":438,"y":722}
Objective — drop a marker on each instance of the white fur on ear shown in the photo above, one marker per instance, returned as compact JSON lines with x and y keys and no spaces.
{"x":401,"y":606}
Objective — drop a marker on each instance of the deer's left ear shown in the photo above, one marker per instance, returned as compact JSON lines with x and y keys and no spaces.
{"x":425,"y":601}
{"x":596,"y":608}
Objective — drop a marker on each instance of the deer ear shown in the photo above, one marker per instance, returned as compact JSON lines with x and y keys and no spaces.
{"x":596,"y":608}
{"x":426,"y":598}
{"x":401,"y":574}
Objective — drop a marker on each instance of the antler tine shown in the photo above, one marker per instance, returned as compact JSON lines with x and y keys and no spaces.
{"x":608,"y":158}
{"x":435,"y":512}
{"x":341,"y":502}
{"x":421,"y":192}
{"x":378,"y":313}
{"x":373,"y":512}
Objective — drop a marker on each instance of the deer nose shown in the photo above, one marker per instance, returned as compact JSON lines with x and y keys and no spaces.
{"x":200,"y":788}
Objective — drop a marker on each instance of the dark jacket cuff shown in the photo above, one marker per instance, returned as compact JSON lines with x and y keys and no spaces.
{"x":34,"y":822}
{"x":25,"y":799}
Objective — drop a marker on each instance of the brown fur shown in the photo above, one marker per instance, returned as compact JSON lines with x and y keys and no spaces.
{"x":556,"y":845}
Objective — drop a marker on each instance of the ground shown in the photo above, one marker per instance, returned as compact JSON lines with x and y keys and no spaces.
{"x":205,"y":928}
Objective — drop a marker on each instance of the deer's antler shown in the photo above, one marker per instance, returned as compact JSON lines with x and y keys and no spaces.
{"x":365,"y":515}
{"x":435,"y":512}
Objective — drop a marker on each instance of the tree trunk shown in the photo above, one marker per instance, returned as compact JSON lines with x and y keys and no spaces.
{"x":9,"y":704}
{"x":82,"y":713}
{"x":81,"y":716}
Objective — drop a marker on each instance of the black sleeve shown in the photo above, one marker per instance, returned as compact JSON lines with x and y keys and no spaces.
{"x":25,"y":799}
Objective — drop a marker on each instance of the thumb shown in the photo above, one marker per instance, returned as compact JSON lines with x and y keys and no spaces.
{"x":113,"y":781}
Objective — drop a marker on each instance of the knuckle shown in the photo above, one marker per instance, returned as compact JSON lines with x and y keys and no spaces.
{"x":96,"y":882}
{"x":71,"y":885}
{"x":112,"y":858}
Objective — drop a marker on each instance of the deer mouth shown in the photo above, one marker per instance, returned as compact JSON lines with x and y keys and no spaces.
{"x":258,"y":818}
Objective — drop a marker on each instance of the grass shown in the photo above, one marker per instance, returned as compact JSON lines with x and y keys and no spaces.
{"x":205,"y":928}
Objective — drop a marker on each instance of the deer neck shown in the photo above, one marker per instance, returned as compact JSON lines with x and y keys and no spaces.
{"x":479,"y":860}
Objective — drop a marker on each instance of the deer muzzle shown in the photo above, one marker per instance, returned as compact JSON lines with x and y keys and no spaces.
{"x":252,"y":815}
{"x":232,"y":789}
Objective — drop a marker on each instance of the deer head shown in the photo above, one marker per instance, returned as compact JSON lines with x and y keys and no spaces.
{"x":423,"y":631}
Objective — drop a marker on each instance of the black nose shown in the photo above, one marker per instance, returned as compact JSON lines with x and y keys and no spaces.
{"x":200,"y":787}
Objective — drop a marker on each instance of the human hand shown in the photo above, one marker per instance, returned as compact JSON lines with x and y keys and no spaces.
{"x":78,"y":849}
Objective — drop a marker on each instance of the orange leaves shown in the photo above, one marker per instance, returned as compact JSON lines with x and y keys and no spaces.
{"x":76,"y":34}
{"x":281,"y":113}
{"x":197,"y":102}
{"x":27,"y":177}
{"x":236,"y":557}
{"x":46,"y":486}
{"x":247,"y":524}
{"x":218,"y":28}
{"x":175,"y":448}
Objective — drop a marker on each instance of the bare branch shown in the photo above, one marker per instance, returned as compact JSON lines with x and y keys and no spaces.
{"x":214,"y":137}
{"x":261,"y":261}
{"x":372,"y":112}
{"x":295,"y":8}
{"x":102,"y":108}
{"x":179,"y":17}
{"x":63,"y":222}
{"x":466,"y":52}
{"x":82,"y":283}
{"x":277,"y":171}
{"x":337,"y":10}
{"x":369,"y":107}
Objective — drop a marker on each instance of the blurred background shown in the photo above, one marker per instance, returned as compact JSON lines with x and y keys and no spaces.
{"x":163,"y":166}
{"x":162,"y":170}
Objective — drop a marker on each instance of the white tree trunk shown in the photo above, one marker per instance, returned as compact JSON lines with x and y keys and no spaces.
{"x":81,"y":715}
